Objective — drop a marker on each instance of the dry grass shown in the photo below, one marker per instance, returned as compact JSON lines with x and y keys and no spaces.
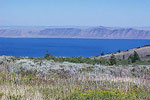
{"x":56,"y":88}
{"x":61,"y":85}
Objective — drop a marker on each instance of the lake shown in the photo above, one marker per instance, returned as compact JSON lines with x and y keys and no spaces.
{"x":36,"y":47}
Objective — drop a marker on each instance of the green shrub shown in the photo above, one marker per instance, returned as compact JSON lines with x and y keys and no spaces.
{"x":102,"y":53}
{"x":1,"y":94}
{"x":47,"y":54}
{"x":112,"y":60}
{"x":134,"y":57}
{"x":118,"y":51}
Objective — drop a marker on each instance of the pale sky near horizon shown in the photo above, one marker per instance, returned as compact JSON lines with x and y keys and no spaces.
{"x":124,"y":13}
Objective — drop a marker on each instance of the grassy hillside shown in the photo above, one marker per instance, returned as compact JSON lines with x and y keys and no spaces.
{"x":143,"y":52}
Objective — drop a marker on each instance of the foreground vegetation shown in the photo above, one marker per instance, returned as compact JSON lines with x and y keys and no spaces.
{"x":74,"y":78}
{"x":55,"y":87}
{"x":44,"y":79}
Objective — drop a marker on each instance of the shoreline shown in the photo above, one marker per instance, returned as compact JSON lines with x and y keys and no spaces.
{"x":76,"y":38}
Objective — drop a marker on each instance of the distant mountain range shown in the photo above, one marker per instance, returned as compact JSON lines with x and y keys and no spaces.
{"x":75,"y":32}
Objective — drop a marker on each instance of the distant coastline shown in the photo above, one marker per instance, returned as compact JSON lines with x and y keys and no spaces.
{"x":74,"y":38}
{"x":100,"y":32}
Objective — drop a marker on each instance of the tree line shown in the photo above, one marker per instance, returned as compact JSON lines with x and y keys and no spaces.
{"x":133,"y":58}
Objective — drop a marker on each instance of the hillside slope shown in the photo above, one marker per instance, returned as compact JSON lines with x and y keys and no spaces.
{"x":143,"y":52}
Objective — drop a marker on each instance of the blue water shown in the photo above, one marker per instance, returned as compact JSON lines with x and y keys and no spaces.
{"x":36,"y":47}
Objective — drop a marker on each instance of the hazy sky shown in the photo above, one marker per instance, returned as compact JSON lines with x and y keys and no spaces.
{"x":75,"y":12}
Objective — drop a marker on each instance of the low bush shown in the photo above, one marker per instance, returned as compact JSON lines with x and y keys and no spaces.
{"x":14,"y":97}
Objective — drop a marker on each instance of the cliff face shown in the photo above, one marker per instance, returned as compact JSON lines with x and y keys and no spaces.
{"x":90,"y":32}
